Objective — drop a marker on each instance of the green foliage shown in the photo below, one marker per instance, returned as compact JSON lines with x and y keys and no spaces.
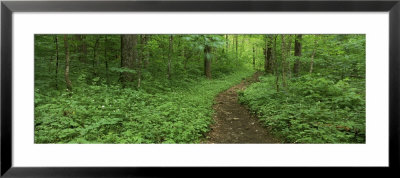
{"x":112,"y":114}
{"x":327,"y":106}
{"x":313,"y":110}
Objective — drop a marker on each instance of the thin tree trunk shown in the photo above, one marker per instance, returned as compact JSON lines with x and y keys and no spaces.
{"x":147,"y":56}
{"x":170,"y":52}
{"x":241,"y":47}
{"x":227,"y":43}
{"x":288,"y":48}
{"x":141,"y":59}
{"x":283,"y":62}
{"x":265,"y":49}
{"x":82,"y":48}
{"x":67,"y":81}
{"x":56,"y":76}
{"x":105,"y":57}
{"x":236,"y":46}
{"x":186,"y":57}
{"x":254,"y":58}
{"x":95,"y":61}
{"x":276,"y":65}
{"x":313,"y":54}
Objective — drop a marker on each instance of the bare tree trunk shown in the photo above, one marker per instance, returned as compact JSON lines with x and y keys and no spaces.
{"x":268,"y":54}
{"x":242,"y":46}
{"x":265,"y":49}
{"x":56,"y":76}
{"x":276,"y":65}
{"x":313,"y":54}
{"x":288,"y":48}
{"x":207,"y":62}
{"x":297,"y":52}
{"x":170,"y":52}
{"x":105,"y":56}
{"x":227,"y":43}
{"x":147,"y":56}
{"x":283,"y":51}
{"x":67,"y":81}
{"x":236,"y":40}
{"x":95,"y":61}
{"x":186,"y":55}
{"x":254,"y":58}
{"x":128,"y":56}
{"x":81,"y":47}
{"x":143,"y":55}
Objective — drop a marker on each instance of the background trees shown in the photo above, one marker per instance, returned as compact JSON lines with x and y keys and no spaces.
{"x":113,"y":68}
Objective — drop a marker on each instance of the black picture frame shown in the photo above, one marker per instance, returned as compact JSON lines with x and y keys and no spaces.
{"x":8,"y":7}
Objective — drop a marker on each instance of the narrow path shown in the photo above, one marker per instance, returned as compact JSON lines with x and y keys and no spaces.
{"x":233,"y":122}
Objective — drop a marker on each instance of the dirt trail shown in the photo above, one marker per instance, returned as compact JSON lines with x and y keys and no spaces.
{"x":233,"y":122}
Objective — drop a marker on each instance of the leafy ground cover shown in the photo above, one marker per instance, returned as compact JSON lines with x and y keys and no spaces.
{"x":101,"y":113}
{"x":314,"y":109}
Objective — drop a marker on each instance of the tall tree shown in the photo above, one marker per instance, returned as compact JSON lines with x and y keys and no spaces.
{"x":276,"y":64}
{"x":147,"y":52}
{"x":288,"y":49}
{"x":81,"y":47}
{"x":227,"y":42}
{"x":105,"y":56}
{"x":313,"y":54}
{"x":142,"y":57}
{"x":268,"y":53}
{"x":254,"y":58}
{"x":207,"y":61}
{"x":170,"y":52}
{"x":128,"y":56}
{"x":283,"y":61}
{"x":67,"y":81}
{"x":56,"y":76}
{"x":297,"y":53}
{"x":94,"y":60}
{"x":236,"y":46}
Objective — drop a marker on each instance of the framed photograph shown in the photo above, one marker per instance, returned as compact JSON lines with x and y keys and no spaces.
{"x":142,"y":88}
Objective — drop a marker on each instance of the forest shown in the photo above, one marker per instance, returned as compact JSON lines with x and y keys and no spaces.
{"x":199,"y":88}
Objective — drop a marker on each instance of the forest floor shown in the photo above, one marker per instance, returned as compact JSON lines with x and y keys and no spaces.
{"x":234,"y":123}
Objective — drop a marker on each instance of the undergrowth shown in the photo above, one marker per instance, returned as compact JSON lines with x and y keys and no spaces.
{"x":100,"y":113}
{"x":313,"y":109}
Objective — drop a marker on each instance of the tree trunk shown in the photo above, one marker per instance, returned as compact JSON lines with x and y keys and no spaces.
{"x":128,"y":56}
{"x":236,"y":46}
{"x":313,"y":54}
{"x":147,"y":56}
{"x":105,"y":56}
{"x":95,"y":61}
{"x":276,"y":65}
{"x":283,"y":62}
{"x":143,"y":54}
{"x":81,"y":47}
{"x":170,"y":52}
{"x":56,"y":76}
{"x":288,"y":49}
{"x":254,"y":58}
{"x":186,"y":57}
{"x":241,"y":46}
{"x":207,"y":62}
{"x":297,"y":53}
{"x":227,"y":43}
{"x":268,"y":54}
{"x":67,"y":81}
